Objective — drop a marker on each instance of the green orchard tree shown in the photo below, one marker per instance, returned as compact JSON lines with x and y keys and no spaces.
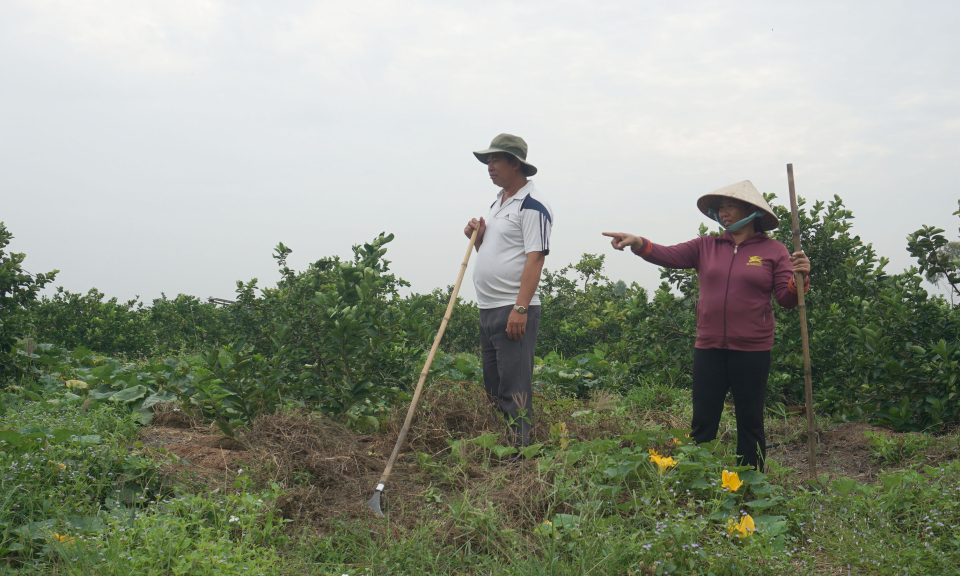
{"x":18,"y":297}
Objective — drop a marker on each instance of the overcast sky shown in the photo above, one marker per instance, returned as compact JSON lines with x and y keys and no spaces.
{"x":168,"y":146}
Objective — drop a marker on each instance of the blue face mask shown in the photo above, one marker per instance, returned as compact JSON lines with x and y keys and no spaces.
{"x":736,"y":225}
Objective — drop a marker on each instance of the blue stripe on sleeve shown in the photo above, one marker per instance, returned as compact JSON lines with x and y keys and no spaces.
{"x":529,"y":203}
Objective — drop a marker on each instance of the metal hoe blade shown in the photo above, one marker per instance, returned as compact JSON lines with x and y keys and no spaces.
{"x":374,"y":503}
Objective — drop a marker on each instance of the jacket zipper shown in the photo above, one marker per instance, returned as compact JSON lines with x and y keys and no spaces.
{"x":726,"y":294}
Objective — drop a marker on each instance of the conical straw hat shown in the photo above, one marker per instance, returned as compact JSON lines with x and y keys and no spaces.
{"x":745,"y":192}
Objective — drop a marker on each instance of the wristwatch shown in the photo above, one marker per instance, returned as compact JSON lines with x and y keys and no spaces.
{"x":520,"y":309}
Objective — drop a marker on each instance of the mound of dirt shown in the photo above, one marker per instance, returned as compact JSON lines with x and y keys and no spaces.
{"x":329,"y":471}
{"x":205,"y":456}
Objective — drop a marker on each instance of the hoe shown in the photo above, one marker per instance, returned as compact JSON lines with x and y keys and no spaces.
{"x":374,"y":503}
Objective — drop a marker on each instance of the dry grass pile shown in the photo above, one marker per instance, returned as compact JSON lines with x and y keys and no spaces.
{"x":204,"y":456}
{"x":329,"y":471}
{"x":168,"y":415}
{"x":447,"y":410}
{"x":300,"y":443}
{"x":455,"y":410}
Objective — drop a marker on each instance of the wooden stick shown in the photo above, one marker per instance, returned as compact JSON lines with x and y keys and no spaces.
{"x":799,"y":280}
{"x":374,"y":503}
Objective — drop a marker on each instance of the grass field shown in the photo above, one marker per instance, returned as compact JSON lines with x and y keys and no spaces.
{"x":611,"y":486}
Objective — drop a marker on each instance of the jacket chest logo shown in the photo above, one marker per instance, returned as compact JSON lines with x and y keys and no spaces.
{"x":755,"y":261}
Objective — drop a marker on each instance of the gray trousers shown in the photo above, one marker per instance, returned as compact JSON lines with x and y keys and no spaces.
{"x":508,"y":366}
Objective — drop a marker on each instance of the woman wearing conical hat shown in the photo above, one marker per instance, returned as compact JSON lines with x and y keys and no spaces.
{"x":738,"y":272}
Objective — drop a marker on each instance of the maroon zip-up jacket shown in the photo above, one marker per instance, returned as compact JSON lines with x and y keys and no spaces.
{"x":735,"y":309}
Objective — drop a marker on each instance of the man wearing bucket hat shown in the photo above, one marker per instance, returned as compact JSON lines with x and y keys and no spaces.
{"x":738,"y":272}
{"x":512,"y":241}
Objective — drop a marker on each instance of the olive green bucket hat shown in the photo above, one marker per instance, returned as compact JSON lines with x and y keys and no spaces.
{"x":745,"y":192}
{"x":512,"y":145}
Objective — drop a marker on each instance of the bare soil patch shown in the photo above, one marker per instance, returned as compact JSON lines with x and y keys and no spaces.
{"x":843,"y":450}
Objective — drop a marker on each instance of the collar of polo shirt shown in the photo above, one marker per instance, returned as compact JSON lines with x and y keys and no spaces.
{"x":521,"y":193}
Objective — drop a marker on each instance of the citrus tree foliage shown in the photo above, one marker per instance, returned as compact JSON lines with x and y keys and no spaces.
{"x":91,"y":320}
{"x":462,"y":332}
{"x":18,"y":297}
{"x":937,"y":257}
{"x":129,"y":328}
{"x":339,"y":337}
{"x":575,"y":315}
{"x":339,"y":333}
{"x":881,"y":347}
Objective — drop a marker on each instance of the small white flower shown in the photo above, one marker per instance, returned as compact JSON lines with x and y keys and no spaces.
{"x":234,"y":519}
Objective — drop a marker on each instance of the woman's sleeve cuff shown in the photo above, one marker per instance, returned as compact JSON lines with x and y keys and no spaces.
{"x":792,"y":285}
{"x":645,"y":249}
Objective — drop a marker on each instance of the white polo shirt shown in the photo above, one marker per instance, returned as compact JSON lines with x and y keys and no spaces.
{"x":521,"y":225}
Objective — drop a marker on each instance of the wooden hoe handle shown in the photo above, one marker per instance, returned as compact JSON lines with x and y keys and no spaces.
{"x":799,"y":281}
{"x":374,"y":503}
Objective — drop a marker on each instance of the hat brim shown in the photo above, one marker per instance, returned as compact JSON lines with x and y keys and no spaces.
{"x":752,"y":197}
{"x":526,"y":168}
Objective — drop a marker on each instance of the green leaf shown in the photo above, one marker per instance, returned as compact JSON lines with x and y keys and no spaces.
{"x":102,"y":392}
{"x":687,"y":465}
{"x":752,"y":477}
{"x":762,"y":503}
{"x":531,"y":450}
{"x":485,"y":441}
{"x":158,"y":399}
{"x":62,"y":434}
{"x":771,"y":525}
{"x":502,"y":451}
{"x":565,"y":521}
{"x":12,"y":439}
{"x":844,"y":485}
{"x":87,"y":523}
{"x":368,"y":424}
{"x":226,"y":429}
{"x":131,"y":394}
{"x":761,"y":489}
{"x":36,"y":529}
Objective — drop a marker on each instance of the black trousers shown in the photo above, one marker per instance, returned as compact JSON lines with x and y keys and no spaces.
{"x":745,"y":374}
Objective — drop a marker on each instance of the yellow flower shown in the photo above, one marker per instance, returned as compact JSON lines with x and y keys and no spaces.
{"x":65,"y":539}
{"x":731,"y":481}
{"x":743,"y":528}
{"x":77,"y":384}
{"x":662,"y":462}
{"x":59,"y":465}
